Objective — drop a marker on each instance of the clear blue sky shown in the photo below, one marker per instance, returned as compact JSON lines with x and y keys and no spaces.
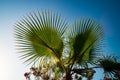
{"x":106,"y":12}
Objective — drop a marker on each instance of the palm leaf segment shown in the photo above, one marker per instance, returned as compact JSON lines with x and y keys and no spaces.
{"x":110,"y":65}
{"x":40,"y":35}
{"x":84,"y":36}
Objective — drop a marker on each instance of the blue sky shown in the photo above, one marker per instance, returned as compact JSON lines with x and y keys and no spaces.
{"x":106,"y":12}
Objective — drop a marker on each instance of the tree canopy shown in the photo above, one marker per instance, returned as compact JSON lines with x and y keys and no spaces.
{"x":59,"y":51}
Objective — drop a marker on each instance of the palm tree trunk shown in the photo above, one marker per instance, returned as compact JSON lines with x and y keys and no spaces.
{"x":68,"y":76}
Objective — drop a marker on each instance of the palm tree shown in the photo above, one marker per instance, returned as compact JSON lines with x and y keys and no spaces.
{"x":47,"y":41}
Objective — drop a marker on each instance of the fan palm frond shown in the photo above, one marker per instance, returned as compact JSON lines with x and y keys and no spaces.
{"x":109,"y":64}
{"x":40,"y":34}
{"x":84,"y":36}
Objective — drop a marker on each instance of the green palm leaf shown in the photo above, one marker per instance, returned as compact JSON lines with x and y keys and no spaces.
{"x":40,"y":35}
{"x":84,"y":36}
{"x":110,"y":65}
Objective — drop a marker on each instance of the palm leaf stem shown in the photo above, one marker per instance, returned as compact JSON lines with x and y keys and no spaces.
{"x":60,"y":61}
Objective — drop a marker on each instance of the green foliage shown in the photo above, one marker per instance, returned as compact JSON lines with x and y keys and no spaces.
{"x":41,"y":38}
{"x":40,"y":35}
{"x":110,"y":65}
{"x":84,"y":36}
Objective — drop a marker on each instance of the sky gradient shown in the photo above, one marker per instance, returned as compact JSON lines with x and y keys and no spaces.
{"x":105,"y":12}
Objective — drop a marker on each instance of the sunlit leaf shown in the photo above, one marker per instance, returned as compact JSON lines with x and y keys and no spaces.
{"x":40,"y":34}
